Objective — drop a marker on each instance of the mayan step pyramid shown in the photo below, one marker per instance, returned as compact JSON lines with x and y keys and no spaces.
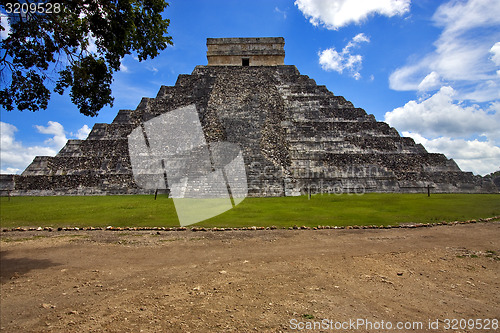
{"x":296,"y":137}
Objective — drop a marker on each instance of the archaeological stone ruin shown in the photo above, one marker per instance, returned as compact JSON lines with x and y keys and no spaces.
{"x":296,"y":137}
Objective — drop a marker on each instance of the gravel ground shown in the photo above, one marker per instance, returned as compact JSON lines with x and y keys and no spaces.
{"x":251,"y":281}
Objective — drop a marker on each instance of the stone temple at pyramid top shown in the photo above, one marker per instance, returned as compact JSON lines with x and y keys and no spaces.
{"x":261,"y":51}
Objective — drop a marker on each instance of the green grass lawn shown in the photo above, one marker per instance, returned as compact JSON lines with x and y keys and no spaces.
{"x":334,"y":210}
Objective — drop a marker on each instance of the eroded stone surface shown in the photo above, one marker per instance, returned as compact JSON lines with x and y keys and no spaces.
{"x":296,"y":137}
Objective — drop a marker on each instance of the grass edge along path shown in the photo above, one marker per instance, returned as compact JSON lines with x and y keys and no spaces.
{"x":327,"y":210}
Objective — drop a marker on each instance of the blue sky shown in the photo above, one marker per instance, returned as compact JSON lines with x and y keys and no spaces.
{"x":429,"y":68}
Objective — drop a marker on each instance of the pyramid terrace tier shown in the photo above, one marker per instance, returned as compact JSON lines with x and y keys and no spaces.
{"x":293,"y":135}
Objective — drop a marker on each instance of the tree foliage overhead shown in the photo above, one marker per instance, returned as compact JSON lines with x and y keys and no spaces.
{"x":78,"y":48}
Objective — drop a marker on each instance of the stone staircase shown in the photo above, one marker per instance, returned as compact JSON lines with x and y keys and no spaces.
{"x":296,"y":137}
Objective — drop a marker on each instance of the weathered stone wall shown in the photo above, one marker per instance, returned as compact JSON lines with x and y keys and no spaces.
{"x":267,"y":51}
{"x":253,"y":60}
{"x":296,"y":137}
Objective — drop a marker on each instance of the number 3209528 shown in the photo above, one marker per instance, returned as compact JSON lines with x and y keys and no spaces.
{"x":33,"y":8}
{"x":475,"y":324}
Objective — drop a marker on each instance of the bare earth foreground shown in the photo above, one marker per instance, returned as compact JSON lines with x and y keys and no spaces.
{"x":252,"y":281}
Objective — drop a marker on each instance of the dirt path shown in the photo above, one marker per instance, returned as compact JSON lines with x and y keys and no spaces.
{"x":250,"y":281}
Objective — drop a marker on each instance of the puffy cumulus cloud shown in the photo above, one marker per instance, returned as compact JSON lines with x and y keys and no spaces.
{"x":332,"y":60}
{"x":82,"y":132}
{"x":15,"y":156}
{"x":479,"y":157}
{"x":334,"y":14}
{"x":443,"y":125}
{"x":59,"y":139}
{"x":439,"y":115}
{"x":462,"y":52}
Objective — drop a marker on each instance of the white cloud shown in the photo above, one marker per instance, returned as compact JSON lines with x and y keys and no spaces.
{"x":4,"y":22}
{"x":92,"y":47}
{"x":7,"y":134}
{"x":444,"y":125}
{"x":460,"y":16}
{"x":484,"y":91}
{"x":332,"y":60}
{"x":479,"y":157}
{"x":57,"y":130}
{"x":359,"y":38}
{"x":462,"y":52}
{"x":10,"y":171}
{"x":334,"y":14}
{"x":439,"y":115}
{"x":123,"y":68}
{"x":83,"y":132}
{"x":495,"y":53}
{"x":15,"y":156}
{"x":430,"y":82}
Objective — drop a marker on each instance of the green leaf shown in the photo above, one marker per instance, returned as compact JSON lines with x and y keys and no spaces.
{"x":40,"y":45}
